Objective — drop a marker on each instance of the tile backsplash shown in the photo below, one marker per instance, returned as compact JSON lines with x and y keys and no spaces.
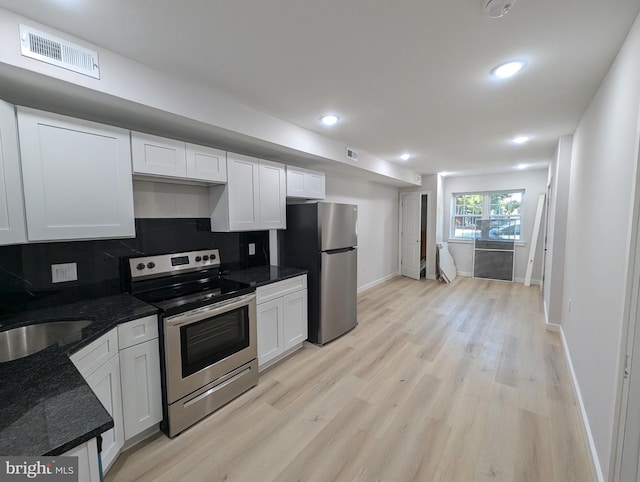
{"x":25,"y":270}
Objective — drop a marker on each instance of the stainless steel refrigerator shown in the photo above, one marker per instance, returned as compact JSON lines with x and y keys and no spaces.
{"x":322,"y":238}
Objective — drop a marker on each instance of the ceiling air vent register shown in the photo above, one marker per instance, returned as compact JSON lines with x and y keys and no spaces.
{"x":351,"y":154}
{"x":61,"y":53}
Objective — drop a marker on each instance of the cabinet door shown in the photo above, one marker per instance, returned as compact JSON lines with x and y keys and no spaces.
{"x":243,"y":192}
{"x":295,"y":183}
{"x":314,"y":185}
{"x":295,"y":319}
{"x":87,"y":454}
{"x":305,"y":184}
{"x":76,"y":176}
{"x":273,"y":196}
{"x":206,"y":164}
{"x":105,"y":383}
{"x":158,"y":156}
{"x":12,"y":228}
{"x":141,"y":395}
{"x":270,"y":338}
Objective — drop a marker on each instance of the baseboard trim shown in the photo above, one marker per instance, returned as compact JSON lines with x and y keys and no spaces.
{"x":546,"y":311}
{"x":377,"y":282}
{"x":533,"y":281}
{"x":596,"y":470}
{"x":466,"y":274}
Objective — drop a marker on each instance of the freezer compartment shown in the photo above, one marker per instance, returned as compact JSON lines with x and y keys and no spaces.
{"x":338,"y":294}
{"x":337,"y":225}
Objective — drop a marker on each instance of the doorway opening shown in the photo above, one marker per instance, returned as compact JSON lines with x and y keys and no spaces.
{"x":414,"y":235}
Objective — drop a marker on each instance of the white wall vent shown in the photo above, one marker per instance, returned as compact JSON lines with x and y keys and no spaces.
{"x":351,"y":154}
{"x":61,"y":53}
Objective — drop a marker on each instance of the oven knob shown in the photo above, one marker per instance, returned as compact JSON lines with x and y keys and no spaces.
{"x":198,"y":258}
{"x":205,"y":257}
{"x":140,"y":266}
{"x":213,"y":256}
{"x":151,"y":265}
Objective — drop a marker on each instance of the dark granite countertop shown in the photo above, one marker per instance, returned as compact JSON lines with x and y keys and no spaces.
{"x":263,"y":275}
{"x":46,"y":407}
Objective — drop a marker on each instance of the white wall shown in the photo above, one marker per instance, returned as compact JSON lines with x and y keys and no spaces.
{"x":533,"y":182}
{"x":170,"y":200}
{"x":603,"y":167}
{"x":559,"y":173}
{"x":377,"y":226}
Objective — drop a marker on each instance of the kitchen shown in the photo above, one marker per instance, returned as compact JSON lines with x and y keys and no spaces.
{"x":111,"y":106}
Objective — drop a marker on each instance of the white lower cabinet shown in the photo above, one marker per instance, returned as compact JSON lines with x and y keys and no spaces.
{"x":295,"y":328}
{"x":105,"y":383}
{"x":282,"y":319}
{"x":141,"y":394}
{"x":140,"y":375}
{"x":88,"y":467}
{"x":122,"y":368}
{"x":270,"y":336}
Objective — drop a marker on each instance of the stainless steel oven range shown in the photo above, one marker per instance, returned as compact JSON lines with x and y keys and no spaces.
{"x":207,"y":329}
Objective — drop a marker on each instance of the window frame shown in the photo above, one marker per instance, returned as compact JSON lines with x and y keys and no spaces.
{"x":485,"y":208}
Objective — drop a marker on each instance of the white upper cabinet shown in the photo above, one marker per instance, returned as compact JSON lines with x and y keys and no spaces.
{"x":76,"y":178}
{"x":162,"y":157}
{"x":206,"y":163}
{"x":158,"y":156}
{"x":305,"y":184}
{"x":254,"y":197}
{"x":12,"y":227}
{"x":273,"y":196}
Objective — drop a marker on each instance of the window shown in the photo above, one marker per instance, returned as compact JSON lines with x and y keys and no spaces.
{"x":502,"y":209}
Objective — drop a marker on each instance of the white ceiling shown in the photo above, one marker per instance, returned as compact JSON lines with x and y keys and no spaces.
{"x":403,"y":75}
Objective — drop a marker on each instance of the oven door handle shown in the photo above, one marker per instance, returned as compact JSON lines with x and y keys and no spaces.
{"x":209,"y":311}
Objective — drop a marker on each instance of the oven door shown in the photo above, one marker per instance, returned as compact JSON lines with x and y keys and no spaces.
{"x":205,"y":344}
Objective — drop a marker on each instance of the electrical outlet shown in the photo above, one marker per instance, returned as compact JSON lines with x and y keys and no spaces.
{"x":252,"y":249}
{"x":63,"y":272}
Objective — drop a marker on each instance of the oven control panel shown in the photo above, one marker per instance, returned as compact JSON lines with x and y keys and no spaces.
{"x":166,"y":264}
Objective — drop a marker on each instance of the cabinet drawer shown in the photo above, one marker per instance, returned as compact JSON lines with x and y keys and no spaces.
{"x":280,"y":288}
{"x":93,"y":356}
{"x":137,"y":331}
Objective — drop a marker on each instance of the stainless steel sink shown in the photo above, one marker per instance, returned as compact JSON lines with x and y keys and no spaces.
{"x":26,"y":340}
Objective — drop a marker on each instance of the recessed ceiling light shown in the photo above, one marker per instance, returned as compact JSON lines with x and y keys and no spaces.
{"x":329,"y":119}
{"x":405,"y":156}
{"x":508,"y":69}
{"x":520,"y":139}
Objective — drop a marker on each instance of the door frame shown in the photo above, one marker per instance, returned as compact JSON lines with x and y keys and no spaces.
{"x":430,"y":234}
{"x":627,"y":429}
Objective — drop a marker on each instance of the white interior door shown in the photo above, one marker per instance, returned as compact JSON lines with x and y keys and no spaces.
{"x":410,"y":261}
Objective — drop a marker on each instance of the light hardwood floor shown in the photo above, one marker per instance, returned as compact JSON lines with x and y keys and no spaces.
{"x":438,"y":382}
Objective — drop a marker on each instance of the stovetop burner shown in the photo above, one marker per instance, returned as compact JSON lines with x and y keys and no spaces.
{"x":179,"y":282}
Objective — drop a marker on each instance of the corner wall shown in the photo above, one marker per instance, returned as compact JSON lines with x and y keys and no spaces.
{"x":559,"y":173}
{"x":603,"y":169}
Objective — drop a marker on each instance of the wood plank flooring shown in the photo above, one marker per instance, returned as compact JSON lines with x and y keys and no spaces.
{"x":438,"y":382}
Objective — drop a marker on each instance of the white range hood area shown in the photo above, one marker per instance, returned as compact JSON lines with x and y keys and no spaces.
{"x":131,"y":95}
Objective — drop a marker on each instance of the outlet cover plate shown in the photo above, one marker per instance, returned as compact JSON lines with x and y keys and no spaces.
{"x":64,"y":272}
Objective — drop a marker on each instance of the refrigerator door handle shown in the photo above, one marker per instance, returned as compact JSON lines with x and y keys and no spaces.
{"x":338,"y":251}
